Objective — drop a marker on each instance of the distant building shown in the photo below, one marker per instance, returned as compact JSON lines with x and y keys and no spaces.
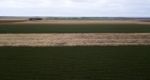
{"x":34,"y":19}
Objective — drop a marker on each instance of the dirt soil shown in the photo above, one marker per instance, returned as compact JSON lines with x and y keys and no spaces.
{"x":75,"y":39}
{"x":73,"y":22}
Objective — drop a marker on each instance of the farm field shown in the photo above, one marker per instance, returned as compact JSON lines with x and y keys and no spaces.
{"x":74,"y":50}
{"x":75,"y":63}
{"x":74,"y":28}
{"x":75,"y":39}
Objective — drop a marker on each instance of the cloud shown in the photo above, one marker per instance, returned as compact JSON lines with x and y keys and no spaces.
{"x":75,"y":7}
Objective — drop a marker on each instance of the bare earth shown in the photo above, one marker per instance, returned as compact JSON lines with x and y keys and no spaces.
{"x":74,"y":22}
{"x":75,"y":39}
{"x":83,"y":22}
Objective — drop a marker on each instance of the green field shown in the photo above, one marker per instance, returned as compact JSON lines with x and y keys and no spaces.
{"x":75,"y":63}
{"x":74,"y":28}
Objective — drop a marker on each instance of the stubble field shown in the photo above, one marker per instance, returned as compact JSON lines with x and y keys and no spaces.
{"x":75,"y":39}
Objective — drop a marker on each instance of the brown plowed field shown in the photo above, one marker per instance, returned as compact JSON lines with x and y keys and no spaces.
{"x":75,"y":39}
{"x":74,"y":22}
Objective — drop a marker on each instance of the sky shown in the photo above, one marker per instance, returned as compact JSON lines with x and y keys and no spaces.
{"x":76,"y":8}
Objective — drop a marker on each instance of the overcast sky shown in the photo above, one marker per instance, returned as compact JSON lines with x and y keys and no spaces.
{"x":107,"y":8}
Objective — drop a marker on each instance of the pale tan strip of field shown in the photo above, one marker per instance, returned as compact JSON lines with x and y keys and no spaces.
{"x":83,"y":22}
{"x":11,"y":21}
{"x":75,"y":39}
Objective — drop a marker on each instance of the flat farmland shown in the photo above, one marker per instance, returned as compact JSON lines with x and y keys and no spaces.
{"x":74,"y":28}
{"x":75,"y":63}
{"x":75,"y":39}
{"x":76,"y":50}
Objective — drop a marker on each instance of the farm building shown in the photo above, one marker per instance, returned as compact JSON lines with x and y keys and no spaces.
{"x":33,"y":19}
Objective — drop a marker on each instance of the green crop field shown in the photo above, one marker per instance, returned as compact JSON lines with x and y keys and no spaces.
{"x":74,"y":28}
{"x":75,"y":63}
